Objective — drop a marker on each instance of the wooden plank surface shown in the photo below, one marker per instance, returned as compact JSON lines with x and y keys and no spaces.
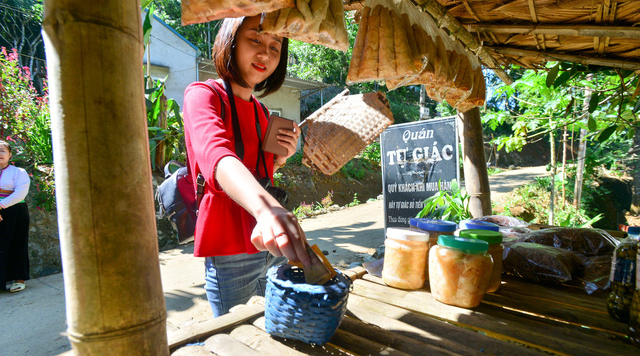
{"x":521,"y":318}
{"x":503,"y":324}
{"x":431,"y":331}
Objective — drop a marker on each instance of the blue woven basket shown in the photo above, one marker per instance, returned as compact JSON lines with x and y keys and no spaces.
{"x":301,"y":311}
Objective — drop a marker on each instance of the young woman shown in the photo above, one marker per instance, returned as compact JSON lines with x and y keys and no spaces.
{"x":238,"y":220}
{"x":14,"y":223}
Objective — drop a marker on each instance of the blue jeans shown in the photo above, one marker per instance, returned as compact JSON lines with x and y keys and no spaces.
{"x":232,"y":280}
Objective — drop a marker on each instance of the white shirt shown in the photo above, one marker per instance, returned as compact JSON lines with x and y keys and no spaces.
{"x":17,"y":180}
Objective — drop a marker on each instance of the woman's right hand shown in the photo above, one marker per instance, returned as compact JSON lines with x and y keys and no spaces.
{"x":277,"y":231}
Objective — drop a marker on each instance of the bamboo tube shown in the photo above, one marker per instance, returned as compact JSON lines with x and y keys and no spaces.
{"x":475,"y":171}
{"x":113,"y":291}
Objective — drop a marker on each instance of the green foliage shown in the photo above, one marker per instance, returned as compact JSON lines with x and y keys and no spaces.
{"x":447,"y":205}
{"x":201,"y":35}
{"x":20,"y":28}
{"x":493,"y":170}
{"x":355,"y":200}
{"x":306,"y":210}
{"x":533,"y":200}
{"x":371,"y":153}
{"x":551,"y":102}
{"x":303,"y":211}
{"x":296,"y":158}
{"x":25,"y":123}
{"x":358,"y":168}
{"x":171,"y":132}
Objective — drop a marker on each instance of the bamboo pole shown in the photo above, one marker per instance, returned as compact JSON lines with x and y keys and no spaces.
{"x":445,"y":19}
{"x":582,"y":151}
{"x":564,"y":165}
{"x":476,"y":179}
{"x":635,"y":198}
{"x":552,"y":200}
{"x":113,"y":291}
{"x":553,"y":56}
{"x":558,"y":30}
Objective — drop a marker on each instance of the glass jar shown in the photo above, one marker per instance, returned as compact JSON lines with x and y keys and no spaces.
{"x":405,"y":258}
{"x":459,"y":270}
{"x":634,"y":310}
{"x":494,"y":239}
{"x":434,"y":228}
{"x":623,"y":276}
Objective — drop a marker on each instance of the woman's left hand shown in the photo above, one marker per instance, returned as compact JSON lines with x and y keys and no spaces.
{"x":288,"y":139}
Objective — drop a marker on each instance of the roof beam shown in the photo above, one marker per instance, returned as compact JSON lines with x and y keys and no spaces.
{"x":554,"y":56}
{"x":564,"y":30}
{"x":445,"y":19}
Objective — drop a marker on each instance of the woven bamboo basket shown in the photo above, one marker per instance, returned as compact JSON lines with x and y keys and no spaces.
{"x":342,"y":128}
{"x":301,"y":311}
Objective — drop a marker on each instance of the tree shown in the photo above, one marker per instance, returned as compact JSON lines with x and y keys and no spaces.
{"x":547,"y":104}
{"x":20,"y":25}
{"x":201,"y":34}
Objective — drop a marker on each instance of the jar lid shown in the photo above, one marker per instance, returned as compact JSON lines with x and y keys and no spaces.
{"x":400,"y":233}
{"x":414,"y":221}
{"x":463,"y":243}
{"x":436,"y":225}
{"x":478,"y":224}
{"x":492,"y":237}
{"x":633,"y":230}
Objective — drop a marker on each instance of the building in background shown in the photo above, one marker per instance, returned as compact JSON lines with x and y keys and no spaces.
{"x":179,"y":61}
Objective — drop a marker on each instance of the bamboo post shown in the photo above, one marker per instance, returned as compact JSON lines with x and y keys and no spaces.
{"x":113,"y":291}
{"x":564,"y":164}
{"x":635,"y":198}
{"x":552,"y":200}
{"x":476,"y":179}
{"x":582,"y":150}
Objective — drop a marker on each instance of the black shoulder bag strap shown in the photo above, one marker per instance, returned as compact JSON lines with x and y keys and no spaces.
{"x":238,"y":135}
{"x":200,"y":181}
{"x":234,"y":121}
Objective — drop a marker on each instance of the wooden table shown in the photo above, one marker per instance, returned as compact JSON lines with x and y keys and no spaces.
{"x":521,"y":318}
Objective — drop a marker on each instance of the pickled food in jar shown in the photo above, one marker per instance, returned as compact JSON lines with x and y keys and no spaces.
{"x":459,"y":275}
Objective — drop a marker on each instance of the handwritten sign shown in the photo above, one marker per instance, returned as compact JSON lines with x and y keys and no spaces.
{"x":415,"y":157}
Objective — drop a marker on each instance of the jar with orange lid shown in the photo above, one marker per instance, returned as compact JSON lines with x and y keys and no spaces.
{"x":494,"y":239}
{"x":405,"y":258}
{"x":459,"y":270}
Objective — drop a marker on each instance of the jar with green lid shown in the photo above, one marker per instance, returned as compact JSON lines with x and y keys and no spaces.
{"x":623,"y":276}
{"x":494,"y":239}
{"x":634,"y":310}
{"x":434,"y":228}
{"x":405,"y":258}
{"x":459,"y":270}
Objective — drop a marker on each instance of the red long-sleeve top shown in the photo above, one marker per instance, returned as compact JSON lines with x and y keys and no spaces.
{"x":223,"y":227}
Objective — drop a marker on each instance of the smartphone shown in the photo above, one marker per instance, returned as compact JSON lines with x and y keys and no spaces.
{"x":270,"y":143}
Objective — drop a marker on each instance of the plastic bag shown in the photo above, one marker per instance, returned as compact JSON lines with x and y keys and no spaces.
{"x":500,"y":220}
{"x":539,"y":263}
{"x":593,"y":273}
{"x":587,"y":242}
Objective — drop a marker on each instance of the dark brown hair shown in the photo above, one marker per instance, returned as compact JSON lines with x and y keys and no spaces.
{"x":225,"y":61}
{"x":5,"y":143}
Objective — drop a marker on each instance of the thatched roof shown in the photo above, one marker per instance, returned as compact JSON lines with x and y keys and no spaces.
{"x":527,"y":33}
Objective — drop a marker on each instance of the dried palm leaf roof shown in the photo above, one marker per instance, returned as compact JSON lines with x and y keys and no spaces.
{"x":528,"y":33}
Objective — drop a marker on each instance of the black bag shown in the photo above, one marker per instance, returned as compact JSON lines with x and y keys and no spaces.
{"x":178,"y":201}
